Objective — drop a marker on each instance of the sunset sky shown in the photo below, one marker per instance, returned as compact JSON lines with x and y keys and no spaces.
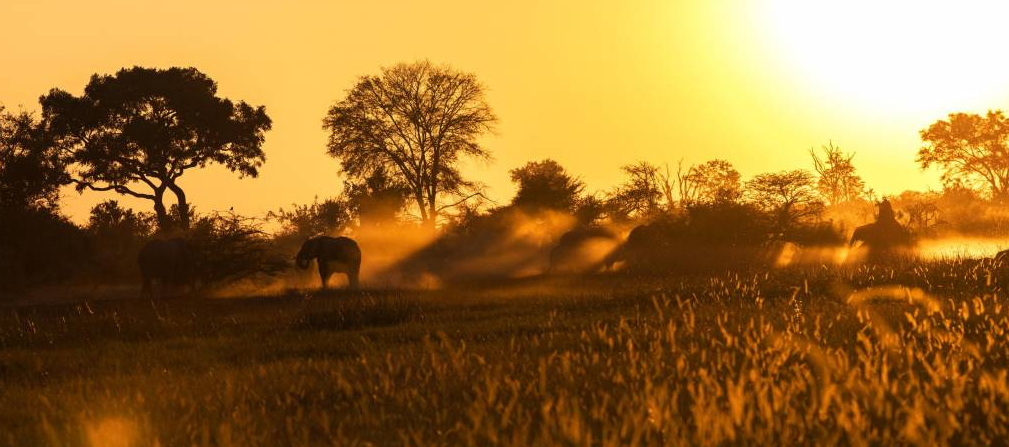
{"x":592,"y":84}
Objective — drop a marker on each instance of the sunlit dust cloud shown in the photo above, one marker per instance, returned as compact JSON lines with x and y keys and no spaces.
{"x":509,"y":243}
{"x":382,"y":247}
{"x":792,"y":254}
{"x":961,"y":247}
{"x":113,"y":432}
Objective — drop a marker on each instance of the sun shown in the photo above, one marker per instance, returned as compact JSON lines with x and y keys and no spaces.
{"x":892,"y":56}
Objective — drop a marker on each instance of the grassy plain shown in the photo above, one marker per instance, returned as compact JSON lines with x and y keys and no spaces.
{"x":912,"y":354}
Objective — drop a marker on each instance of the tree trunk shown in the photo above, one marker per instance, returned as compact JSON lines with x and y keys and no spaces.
{"x":432,"y":218}
{"x":183,"y":205}
{"x":164,"y":223}
{"x":421,"y":207}
{"x":785,"y":216}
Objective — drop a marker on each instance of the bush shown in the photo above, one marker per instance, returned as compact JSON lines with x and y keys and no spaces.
{"x":117,"y":234}
{"x":714,"y":236}
{"x":229,"y":247}
{"x":39,"y":246}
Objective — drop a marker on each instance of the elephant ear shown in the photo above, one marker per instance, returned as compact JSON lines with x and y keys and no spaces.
{"x":310,"y":249}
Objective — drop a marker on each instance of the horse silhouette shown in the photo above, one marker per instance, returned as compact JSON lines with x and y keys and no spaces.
{"x":883,"y":239}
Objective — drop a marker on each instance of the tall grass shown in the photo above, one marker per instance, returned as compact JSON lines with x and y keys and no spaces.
{"x":913,"y":354}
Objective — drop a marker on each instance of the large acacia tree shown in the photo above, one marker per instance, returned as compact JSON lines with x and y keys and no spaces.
{"x":790,"y":195}
{"x":138,"y":131}
{"x":970,"y":149}
{"x":417,"y":121}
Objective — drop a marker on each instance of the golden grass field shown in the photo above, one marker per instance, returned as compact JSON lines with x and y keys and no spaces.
{"x":911,"y":354}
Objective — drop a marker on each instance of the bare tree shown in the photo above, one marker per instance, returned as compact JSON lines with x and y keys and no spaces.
{"x":666,"y":183}
{"x":838,"y":182}
{"x":641,"y":194}
{"x":417,"y":121}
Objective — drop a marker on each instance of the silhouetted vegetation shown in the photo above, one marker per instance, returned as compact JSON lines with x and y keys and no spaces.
{"x":971,"y":149}
{"x":301,"y":222}
{"x":713,"y":181}
{"x":545,"y":185}
{"x":228,"y":247}
{"x":416,"y":121}
{"x":693,"y":306}
{"x":37,"y":244}
{"x":790,"y":196}
{"x":117,"y":234}
{"x":399,"y":137}
{"x":137,"y":132}
{"x":837,"y":181}
{"x":646,"y":194}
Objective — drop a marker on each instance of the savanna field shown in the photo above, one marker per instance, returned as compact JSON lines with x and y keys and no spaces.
{"x":909,"y":354}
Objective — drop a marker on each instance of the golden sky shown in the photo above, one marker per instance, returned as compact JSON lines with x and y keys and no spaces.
{"x":592,"y":84}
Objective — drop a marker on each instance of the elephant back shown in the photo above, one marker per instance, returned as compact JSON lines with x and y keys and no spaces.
{"x":340,"y":249}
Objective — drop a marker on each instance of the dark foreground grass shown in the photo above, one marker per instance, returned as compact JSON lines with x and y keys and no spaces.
{"x":914,"y":354}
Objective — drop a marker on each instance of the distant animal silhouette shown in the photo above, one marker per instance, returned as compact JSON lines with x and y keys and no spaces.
{"x":167,"y":260}
{"x":646,"y":248}
{"x":334,"y":255}
{"x":883,"y":238}
{"x":569,"y":253}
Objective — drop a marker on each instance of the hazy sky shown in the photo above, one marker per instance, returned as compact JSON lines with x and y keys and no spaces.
{"x":594,"y":85}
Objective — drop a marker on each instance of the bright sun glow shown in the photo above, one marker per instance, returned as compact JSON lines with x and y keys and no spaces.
{"x":892,"y":56}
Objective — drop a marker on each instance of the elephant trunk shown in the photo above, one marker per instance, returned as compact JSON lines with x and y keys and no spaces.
{"x":302,"y":263}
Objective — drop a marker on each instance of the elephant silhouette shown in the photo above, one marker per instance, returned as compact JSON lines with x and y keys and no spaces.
{"x":169,"y":261}
{"x":569,"y":253}
{"x":884,"y":238}
{"x":334,"y":255}
{"x":647,"y":247}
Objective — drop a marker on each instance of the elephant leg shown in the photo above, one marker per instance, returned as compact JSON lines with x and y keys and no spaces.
{"x":324,"y":273}
{"x":353,"y":277}
{"x":146,"y":289}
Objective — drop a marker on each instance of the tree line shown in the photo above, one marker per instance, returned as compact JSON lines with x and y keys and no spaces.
{"x":400,"y":137}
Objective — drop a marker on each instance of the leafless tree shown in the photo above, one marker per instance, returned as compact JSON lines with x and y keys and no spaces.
{"x":640,"y":195}
{"x":838,"y":182}
{"x":417,"y":120}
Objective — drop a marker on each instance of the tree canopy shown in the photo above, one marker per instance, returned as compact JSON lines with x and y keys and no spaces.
{"x":790,"y":195}
{"x":31,"y":171}
{"x":138,"y":131}
{"x":713,"y":181}
{"x":377,"y":199}
{"x":970,"y":149}
{"x":642,"y":194}
{"x":417,"y":121}
{"x":546,"y":185}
